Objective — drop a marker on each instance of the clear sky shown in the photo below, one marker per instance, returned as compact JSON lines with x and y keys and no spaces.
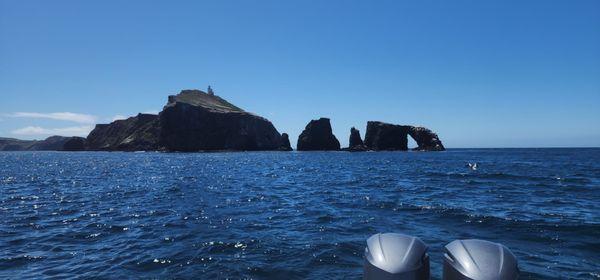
{"x":479,"y":73}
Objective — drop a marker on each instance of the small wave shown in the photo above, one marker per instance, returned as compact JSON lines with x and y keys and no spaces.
{"x":12,"y":262}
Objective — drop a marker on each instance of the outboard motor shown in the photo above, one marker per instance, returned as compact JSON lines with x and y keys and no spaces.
{"x":396,"y":256}
{"x":473,"y":259}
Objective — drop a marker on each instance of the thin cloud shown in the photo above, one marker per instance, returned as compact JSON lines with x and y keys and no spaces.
{"x":83,"y":130}
{"x":118,"y":117}
{"x":61,"y":116}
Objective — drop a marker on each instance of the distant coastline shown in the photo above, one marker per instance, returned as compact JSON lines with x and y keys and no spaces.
{"x":198,"y":121}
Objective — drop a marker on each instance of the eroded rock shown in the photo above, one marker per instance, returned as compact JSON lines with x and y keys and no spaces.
{"x":426,"y":139}
{"x":318,"y":136}
{"x":355,"y":142}
{"x":285,"y":143}
{"x":139,"y":133}
{"x":384,"y":136}
{"x":196,"y":121}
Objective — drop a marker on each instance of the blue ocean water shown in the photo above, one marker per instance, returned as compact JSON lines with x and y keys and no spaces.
{"x":290,"y":215}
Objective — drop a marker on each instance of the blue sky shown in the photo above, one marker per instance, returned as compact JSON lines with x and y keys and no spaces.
{"x":479,"y":73}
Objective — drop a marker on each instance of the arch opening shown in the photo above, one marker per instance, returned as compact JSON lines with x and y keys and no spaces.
{"x":412,"y":144}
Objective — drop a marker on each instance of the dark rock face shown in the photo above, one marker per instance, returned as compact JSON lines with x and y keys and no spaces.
{"x":139,"y":133}
{"x":75,"y":144}
{"x":52,"y":143}
{"x":318,"y":136}
{"x":356,"y":143}
{"x":191,"y":121}
{"x":355,"y":139}
{"x":385,"y":136}
{"x":11,"y":144}
{"x":196,"y":121}
{"x":285,"y":142}
{"x":426,"y":139}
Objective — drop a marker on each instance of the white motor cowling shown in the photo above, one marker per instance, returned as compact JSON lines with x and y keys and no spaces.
{"x":396,"y":256}
{"x":474,"y":259}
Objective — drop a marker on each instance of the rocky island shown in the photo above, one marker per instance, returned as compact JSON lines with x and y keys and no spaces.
{"x":318,"y":136}
{"x":391,"y":137}
{"x":194,"y":120}
{"x":191,"y":121}
{"x":380,"y":136}
{"x":356,"y":143}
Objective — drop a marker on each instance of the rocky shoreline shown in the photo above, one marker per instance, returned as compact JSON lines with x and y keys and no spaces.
{"x":195,"y":121}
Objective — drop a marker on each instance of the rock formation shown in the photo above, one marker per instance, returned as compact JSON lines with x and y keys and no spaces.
{"x":426,"y":139}
{"x":355,"y":139}
{"x":190,"y":121}
{"x":196,"y":121}
{"x":318,"y":136}
{"x":139,"y":133}
{"x":52,"y":143}
{"x":385,"y":136}
{"x":75,"y":144}
{"x":11,"y":144}
{"x":356,"y":143}
{"x":285,"y":142}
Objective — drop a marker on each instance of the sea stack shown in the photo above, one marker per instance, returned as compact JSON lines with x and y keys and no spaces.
{"x":318,"y":136}
{"x":385,"y":136}
{"x":355,"y":142}
{"x":285,"y":142}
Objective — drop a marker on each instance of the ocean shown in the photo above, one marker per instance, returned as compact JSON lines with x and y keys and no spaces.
{"x":290,"y":215}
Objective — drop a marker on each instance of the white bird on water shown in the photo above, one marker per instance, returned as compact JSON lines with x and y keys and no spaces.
{"x":473,"y":166}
